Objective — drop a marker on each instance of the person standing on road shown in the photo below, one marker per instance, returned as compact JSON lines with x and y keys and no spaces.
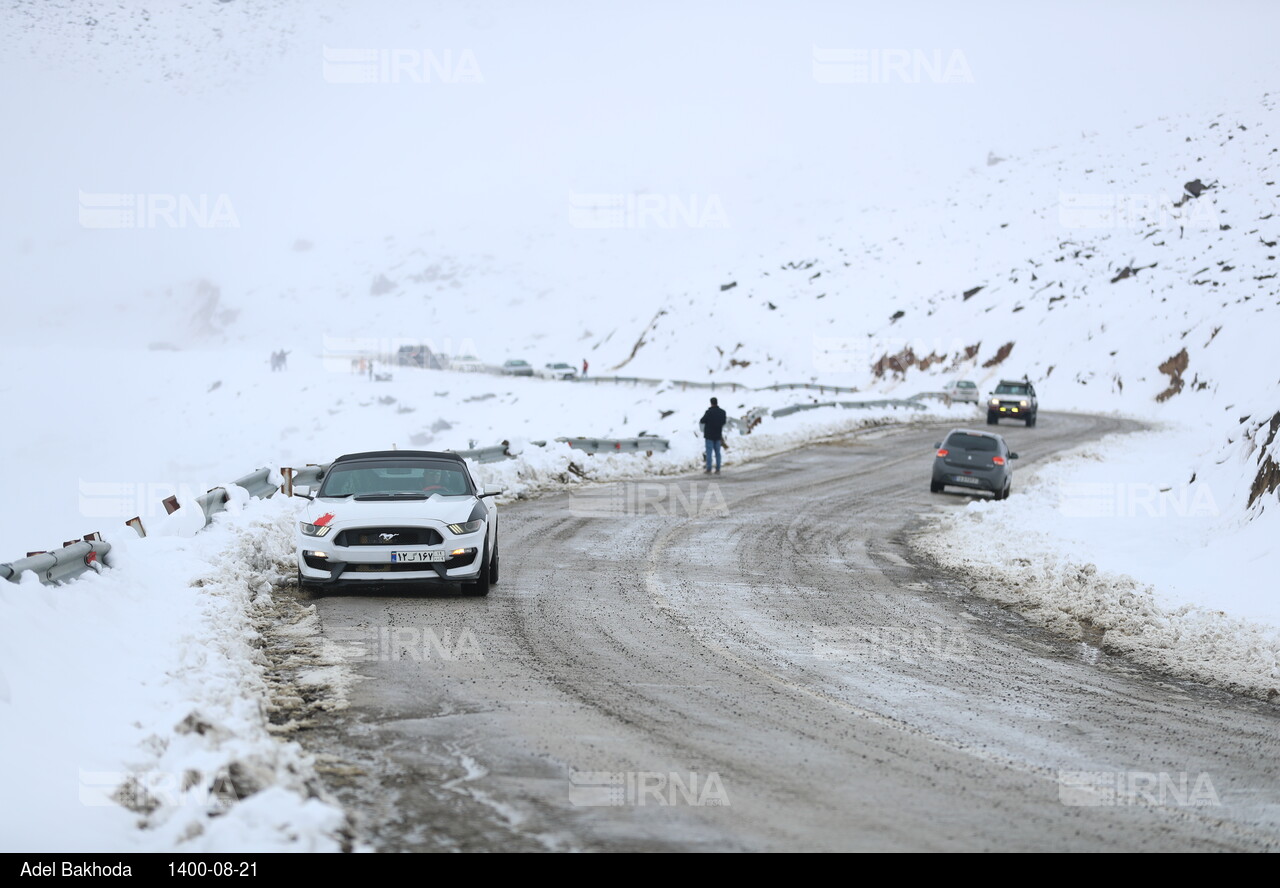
{"x":584,"y":368}
{"x":712,"y":425}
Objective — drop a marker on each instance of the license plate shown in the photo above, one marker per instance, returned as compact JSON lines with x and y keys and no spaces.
{"x":965,"y":479}
{"x":438,"y":555}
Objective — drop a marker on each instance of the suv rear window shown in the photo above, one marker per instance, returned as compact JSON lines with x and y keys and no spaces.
{"x":965,"y":441}
{"x":965,"y":384}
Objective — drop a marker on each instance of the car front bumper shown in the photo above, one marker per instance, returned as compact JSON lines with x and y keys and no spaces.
{"x":320,"y":562}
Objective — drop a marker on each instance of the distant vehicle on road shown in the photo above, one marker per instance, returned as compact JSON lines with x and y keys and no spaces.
{"x":517,"y":367}
{"x":960,"y":391}
{"x":1013,"y":399}
{"x":466,"y":363}
{"x":973,"y":460}
{"x":557,"y":371}
{"x":418,"y":356}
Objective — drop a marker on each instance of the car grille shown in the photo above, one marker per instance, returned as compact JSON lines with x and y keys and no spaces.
{"x":403,"y":536}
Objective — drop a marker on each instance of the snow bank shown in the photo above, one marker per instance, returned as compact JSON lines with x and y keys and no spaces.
{"x":137,"y":711}
{"x":1124,"y":544}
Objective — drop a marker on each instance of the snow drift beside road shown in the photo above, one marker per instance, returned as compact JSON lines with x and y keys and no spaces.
{"x":1111,"y":545}
{"x":137,"y":712}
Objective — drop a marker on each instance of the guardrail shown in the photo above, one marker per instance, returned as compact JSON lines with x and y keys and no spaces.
{"x":59,"y":565}
{"x":684,"y":384}
{"x":618,"y":445}
{"x":808,"y":386}
{"x":74,"y":559}
{"x":495,"y":453}
{"x":885,"y":402}
{"x":753,"y":418}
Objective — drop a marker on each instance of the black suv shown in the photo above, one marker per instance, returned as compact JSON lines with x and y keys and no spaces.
{"x":1012,"y":399}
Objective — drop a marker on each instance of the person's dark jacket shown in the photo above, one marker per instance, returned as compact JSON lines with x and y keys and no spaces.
{"x":713,"y":423}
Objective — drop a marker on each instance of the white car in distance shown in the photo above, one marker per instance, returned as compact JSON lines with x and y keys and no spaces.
{"x":557,"y":371}
{"x":466,"y":363}
{"x":960,"y":391}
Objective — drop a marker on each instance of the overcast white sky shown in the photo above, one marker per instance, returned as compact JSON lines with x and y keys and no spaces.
{"x":675,"y":98}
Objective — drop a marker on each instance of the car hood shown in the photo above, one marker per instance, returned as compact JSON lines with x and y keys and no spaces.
{"x":446,"y":509}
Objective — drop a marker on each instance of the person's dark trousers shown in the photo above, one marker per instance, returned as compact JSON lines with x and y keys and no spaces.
{"x":713,"y":447}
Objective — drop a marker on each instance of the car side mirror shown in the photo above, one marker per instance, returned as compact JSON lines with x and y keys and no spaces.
{"x":1013,"y":456}
{"x":490,"y":491}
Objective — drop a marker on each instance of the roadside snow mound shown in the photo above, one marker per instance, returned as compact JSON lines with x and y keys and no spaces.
{"x":176,"y":735}
{"x":1129,"y":502}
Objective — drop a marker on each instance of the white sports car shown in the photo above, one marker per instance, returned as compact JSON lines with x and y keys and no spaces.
{"x":399,"y":516}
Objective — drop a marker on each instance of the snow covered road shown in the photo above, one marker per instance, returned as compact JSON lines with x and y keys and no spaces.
{"x":762,"y":661}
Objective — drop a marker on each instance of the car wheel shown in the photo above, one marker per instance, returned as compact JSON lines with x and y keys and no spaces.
{"x":311,"y":590}
{"x":1031,"y":420}
{"x":1004,"y":494}
{"x":935,"y":487}
{"x":493,"y":565}
{"x":482,"y":582}
{"x":992,"y":419}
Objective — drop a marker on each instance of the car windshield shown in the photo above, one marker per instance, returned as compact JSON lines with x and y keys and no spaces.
{"x":402,"y":476}
{"x":965,"y":441}
{"x":965,"y":384}
{"x":1010,"y":388}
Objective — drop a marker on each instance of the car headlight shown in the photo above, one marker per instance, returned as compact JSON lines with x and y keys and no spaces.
{"x":1022,"y":403}
{"x":995,"y":402}
{"x":468,"y":527}
{"x":313,"y":530}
